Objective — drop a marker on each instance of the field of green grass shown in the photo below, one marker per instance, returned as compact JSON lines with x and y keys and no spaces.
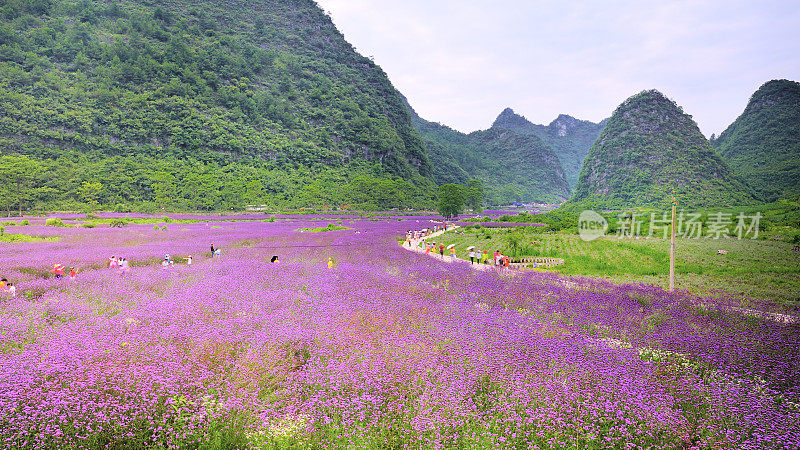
{"x":762,"y":269}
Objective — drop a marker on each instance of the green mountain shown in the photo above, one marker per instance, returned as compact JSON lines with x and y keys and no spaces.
{"x":569,"y":137}
{"x":513,"y":167}
{"x":201,"y":104}
{"x":650,"y":148}
{"x":763,"y":144}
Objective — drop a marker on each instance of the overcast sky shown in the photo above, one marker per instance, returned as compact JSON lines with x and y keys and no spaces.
{"x":461,"y":62}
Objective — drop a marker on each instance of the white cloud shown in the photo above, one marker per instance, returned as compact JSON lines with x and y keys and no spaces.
{"x":462,"y":62}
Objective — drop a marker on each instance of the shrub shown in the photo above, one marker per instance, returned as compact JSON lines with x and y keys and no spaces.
{"x":55,"y":222}
{"x":91,"y":216}
{"x":167,"y":219}
{"x":118,"y":223}
{"x":89,"y":225}
{"x":25,"y":222}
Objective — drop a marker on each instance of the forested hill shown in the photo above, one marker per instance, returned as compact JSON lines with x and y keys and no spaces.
{"x":649,"y":149}
{"x":200,"y":104}
{"x":763,"y":144}
{"x":569,"y":137}
{"x":513,"y":167}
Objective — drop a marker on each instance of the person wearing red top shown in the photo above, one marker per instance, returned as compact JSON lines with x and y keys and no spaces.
{"x":441,"y":250}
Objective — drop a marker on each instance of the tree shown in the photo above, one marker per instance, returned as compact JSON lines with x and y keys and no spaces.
{"x":474,"y":195}
{"x":451,"y":200}
{"x":164,"y":188}
{"x":513,"y":239}
{"x":16,"y":172}
{"x":89,"y":192}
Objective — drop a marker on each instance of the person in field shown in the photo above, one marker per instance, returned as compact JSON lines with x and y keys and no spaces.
{"x":330,"y":263}
{"x":274,"y":259}
{"x":3,"y":284}
{"x":58,"y":270}
{"x":441,"y":250}
{"x":472,"y":256}
{"x":10,"y":289}
{"x":124,"y":266}
{"x":112,"y":262}
{"x":213,"y":251}
{"x":72,"y":273}
{"x":189,"y":260}
{"x":452,"y":253}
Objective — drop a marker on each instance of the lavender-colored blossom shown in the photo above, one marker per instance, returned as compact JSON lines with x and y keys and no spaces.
{"x":388,"y":348}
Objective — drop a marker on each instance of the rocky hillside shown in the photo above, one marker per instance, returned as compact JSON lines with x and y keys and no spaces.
{"x":569,"y":137}
{"x":763,"y":144}
{"x":264,"y":92}
{"x":514,"y":167}
{"x":649,"y":149}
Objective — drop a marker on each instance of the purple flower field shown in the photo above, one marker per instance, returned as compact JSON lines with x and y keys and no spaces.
{"x":387,"y":349}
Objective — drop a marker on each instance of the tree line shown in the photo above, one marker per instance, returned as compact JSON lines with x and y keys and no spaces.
{"x":75,"y":181}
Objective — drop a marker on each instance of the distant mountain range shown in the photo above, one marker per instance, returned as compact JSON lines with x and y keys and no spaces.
{"x":513,"y":166}
{"x":569,"y":138}
{"x":217,"y":105}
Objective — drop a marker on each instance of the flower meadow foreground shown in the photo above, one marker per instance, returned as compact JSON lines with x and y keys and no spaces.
{"x":384,"y":348}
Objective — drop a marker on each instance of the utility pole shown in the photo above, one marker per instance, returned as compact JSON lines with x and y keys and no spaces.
{"x":672,"y":247}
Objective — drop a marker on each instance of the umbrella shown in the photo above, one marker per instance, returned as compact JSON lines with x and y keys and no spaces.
{"x":451,"y":246}
{"x":471,"y":247}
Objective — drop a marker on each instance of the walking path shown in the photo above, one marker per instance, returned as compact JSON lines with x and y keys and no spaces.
{"x":446,"y":258}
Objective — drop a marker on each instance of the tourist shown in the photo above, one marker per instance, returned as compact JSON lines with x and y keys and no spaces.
{"x":330,"y":263}
{"x":472,"y":256}
{"x":58,"y":270}
{"x":124,"y":266}
{"x":72,"y":273}
{"x":3,"y":284}
{"x":112,"y":262}
{"x":217,"y":253}
{"x":452,"y":253}
{"x":189,"y":260}
{"x":274,"y":259}
{"x":441,"y":250}
{"x":213,"y":251}
{"x":11,"y":290}
{"x":486,"y":256}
